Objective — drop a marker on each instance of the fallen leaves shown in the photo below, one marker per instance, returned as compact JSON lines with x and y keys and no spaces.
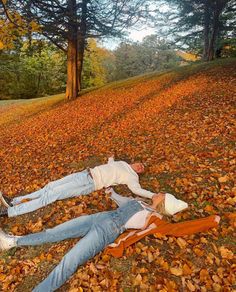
{"x":223,"y":179}
{"x":226,"y":253}
{"x":183,"y":130}
{"x":177,"y":271}
{"x":181,"y":242}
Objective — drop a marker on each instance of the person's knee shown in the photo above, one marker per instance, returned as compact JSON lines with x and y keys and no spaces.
{"x":47,"y":199}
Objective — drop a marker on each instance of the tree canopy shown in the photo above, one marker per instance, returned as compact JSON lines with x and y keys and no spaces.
{"x":68,"y":24}
{"x":203,"y":26}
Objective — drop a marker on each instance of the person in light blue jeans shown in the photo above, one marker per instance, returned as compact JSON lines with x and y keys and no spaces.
{"x":80,"y":183}
{"x":76,"y":184}
{"x":97,"y":231}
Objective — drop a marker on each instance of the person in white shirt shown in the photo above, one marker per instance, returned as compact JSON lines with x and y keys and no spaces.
{"x":76,"y":184}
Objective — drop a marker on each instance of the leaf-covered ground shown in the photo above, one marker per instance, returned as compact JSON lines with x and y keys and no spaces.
{"x":181,"y":124}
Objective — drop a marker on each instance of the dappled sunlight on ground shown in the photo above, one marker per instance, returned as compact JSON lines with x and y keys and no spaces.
{"x":181,"y":124}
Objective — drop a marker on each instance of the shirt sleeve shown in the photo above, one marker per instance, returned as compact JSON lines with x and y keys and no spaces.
{"x":110,"y":160}
{"x":120,"y":200}
{"x":137,"y":190}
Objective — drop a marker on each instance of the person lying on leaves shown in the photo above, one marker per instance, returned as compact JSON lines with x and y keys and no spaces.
{"x":99,"y":230}
{"x":76,"y":184}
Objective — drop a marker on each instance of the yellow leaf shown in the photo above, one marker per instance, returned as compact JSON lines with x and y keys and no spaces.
{"x":105,"y":258}
{"x":217,"y":287}
{"x":181,"y":242}
{"x":177,"y":271}
{"x":1,"y":45}
{"x":138,"y":280}
{"x":198,"y":252}
{"x":209,"y":209}
{"x":223,"y":179}
{"x":150,"y":257}
{"x":226,"y":253}
{"x":2,"y":277}
{"x":190,"y":286}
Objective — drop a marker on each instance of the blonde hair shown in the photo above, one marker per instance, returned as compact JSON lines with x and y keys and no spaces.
{"x":160,"y":208}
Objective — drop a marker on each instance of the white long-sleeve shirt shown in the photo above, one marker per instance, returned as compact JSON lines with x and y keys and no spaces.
{"x":118,"y":172}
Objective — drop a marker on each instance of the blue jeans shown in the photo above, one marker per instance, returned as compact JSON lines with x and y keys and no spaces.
{"x":80,"y":183}
{"x":98,"y":230}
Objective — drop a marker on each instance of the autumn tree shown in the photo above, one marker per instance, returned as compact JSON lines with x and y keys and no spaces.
{"x":32,"y":69}
{"x":152,"y":54}
{"x":99,"y":65}
{"x":69,"y":23}
{"x":14,"y":26}
{"x":201,"y":25}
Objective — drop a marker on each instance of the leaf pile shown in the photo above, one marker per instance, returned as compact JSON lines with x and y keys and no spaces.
{"x":182,"y":125}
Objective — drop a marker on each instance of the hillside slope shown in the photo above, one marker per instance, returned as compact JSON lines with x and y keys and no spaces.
{"x":182,"y":125}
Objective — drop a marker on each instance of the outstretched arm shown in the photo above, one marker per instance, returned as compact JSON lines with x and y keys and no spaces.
{"x":136,"y":188}
{"x":120,"y":200}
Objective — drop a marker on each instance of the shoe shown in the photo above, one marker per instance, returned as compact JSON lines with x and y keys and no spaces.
{"x":5,"y":200}
{"x":3,"y":211}
{"x":7,"y":241}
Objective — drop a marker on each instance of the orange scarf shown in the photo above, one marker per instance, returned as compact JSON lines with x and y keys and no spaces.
{"x":157,"y":225}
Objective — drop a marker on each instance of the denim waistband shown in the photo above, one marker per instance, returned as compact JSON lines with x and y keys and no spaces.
{"x":121,"y":215}
{"x":89,"y":175}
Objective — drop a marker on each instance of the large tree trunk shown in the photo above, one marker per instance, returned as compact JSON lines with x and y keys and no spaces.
{"x":72,"y":73}
{"x":72,"y":53}
{"x":215,"y":27}
{"x":81,"y":47}
{"x":81,"y":41}
{"x":219,"y":6}
{"x":206,"y":30}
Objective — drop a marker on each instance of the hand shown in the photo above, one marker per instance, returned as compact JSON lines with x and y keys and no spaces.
{"x":158,"y":195}
{"x":108,"y":190}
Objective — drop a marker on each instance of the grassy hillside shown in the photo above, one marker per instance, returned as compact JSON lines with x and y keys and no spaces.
{"x":181,"y":124}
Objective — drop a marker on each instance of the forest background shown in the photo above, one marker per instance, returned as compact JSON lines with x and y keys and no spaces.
{"x":35,"y":57}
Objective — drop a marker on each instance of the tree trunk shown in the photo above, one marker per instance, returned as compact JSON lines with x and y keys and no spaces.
{"x":211,"y":49}
{"x":72,"y":72}
{"x":219,"y":6}
{"x":81,"y":41}
{"x":81,"y":47}
{"x":206,"y":30}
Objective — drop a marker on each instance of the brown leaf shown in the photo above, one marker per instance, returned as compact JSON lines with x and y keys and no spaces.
{"x":187,"y":270}
{"x":204,"y":275}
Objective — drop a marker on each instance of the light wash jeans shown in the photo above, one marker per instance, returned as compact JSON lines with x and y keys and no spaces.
{"x":73,"y":185}
{"x":98,"y":230}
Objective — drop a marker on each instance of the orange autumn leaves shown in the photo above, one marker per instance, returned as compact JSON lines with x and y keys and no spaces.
{"x":182,"y":126}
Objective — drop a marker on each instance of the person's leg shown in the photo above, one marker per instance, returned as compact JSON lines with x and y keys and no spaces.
{"x":41,"y":192}
{"x":94,"y":242}
{"x":74,"y":185}
{"x":71,"y":229}
{"x":31,"y":196}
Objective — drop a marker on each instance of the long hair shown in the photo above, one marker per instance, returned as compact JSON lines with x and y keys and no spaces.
{"x":160,"y":208}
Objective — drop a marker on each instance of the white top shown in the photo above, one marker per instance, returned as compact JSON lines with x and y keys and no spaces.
{"x":118,"y":172}
{"x":138,"y":220}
